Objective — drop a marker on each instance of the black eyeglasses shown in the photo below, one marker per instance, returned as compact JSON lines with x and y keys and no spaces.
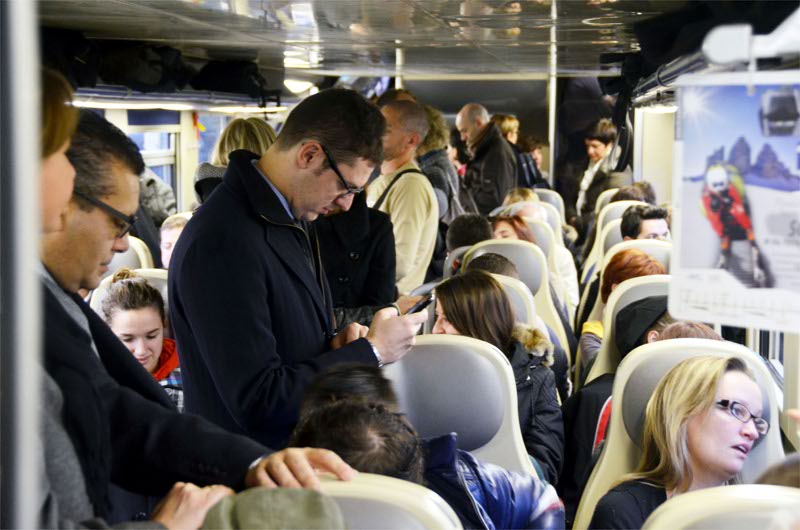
{"x":741,"y":413}
{"x":124,"y":222}
{"x":350,"y":190}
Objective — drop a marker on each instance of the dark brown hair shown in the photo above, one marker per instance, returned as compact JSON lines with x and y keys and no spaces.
{"x":59,"y":118}
{"x":518,"y":224}
{"x":628,"y":264}
{"x":477,"y":306}
{"x":603,"y":131}
{"x":129,"y":292}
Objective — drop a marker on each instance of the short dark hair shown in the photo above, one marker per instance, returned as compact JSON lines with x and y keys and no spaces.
{"x":349,"y":126}
{"x":368,"y":436}
{"x":648,"y":190}
{"x":412,"y":116}
{"x":346,"y":381}
{"x":632,"y":218}
{"x":467,"y":230}
{"x":603,"y":131}
{"x":95,"y":147}
{"x":628,"y":193}
{"x":495,"y":264}
{"x":529,"y":144}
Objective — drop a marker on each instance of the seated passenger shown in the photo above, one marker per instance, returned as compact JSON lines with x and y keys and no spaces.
{"x":701,"y":422}
{"x":475,"y":305}
{"x":134,"y":310}
{"x":645,"y":222}
{"x":354,"y":409}
{"x":467,"y":230}
{"x":170,"y":231}
{"x":253,"y":134}
{"x":497,"y":264}
{"x":625,"y":265}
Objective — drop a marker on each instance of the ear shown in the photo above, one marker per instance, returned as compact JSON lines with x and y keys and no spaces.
{"x":307,"y":153}
{"x":652,"y":336}
{"x":414,"y":139}
{"x":626,"y":238}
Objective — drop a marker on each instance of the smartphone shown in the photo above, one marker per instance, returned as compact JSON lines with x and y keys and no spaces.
{"x":422,"y":304}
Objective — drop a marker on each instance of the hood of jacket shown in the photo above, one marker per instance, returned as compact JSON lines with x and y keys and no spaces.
{"x":529,"y":350}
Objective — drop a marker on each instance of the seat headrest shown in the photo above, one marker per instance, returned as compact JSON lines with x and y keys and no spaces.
{"x":527,"y":257}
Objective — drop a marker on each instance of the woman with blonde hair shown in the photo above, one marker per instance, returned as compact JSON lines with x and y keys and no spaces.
{"x":252,"y":134}
{"x":700,"y":424}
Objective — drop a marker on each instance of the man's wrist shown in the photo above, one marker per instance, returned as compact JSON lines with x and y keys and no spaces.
{"x":376,"y":352}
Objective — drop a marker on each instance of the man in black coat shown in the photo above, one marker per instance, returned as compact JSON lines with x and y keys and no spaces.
{"x":249,"y":300}
{"x":492,"y":171}
{"x":105,"y":421}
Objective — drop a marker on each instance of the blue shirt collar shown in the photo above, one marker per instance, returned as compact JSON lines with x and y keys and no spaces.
{"x":280,"y":196}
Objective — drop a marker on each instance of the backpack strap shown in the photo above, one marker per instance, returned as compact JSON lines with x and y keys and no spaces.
{"x":382,"y":198}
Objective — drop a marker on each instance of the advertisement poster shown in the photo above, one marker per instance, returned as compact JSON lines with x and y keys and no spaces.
{"x":736,"y":190}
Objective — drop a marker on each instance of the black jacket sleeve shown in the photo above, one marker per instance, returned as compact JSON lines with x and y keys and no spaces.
{"x":544,"y":434}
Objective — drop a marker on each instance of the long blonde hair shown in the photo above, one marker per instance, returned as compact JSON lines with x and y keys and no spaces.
{"x":688,"y":390}
{"x":253,"y":134}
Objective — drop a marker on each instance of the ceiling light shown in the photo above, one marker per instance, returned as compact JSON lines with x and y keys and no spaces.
{"x":296,"y":86}
{"x":231,"y":109}
{"x":131,"y":105}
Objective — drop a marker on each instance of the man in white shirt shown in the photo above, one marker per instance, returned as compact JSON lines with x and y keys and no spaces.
{"x":405,"y":193}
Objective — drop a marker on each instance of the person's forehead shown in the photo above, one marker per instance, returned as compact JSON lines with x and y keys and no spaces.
{"x":739,"y":387}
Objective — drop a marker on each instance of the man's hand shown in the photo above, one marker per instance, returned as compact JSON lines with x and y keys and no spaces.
{"x":296,"y":467}
{"x":186,"y":505}
{"x":406,"y":302}
{"x":393,"y":335}
{"x":350,"y":333}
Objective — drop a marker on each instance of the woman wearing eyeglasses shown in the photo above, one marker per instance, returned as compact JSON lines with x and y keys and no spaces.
{"x":700,"y":424}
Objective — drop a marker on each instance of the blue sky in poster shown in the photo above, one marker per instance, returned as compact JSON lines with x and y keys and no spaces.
{"x":716,"y":116}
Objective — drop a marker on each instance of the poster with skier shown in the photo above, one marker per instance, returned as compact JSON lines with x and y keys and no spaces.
{"x":736,"y":190}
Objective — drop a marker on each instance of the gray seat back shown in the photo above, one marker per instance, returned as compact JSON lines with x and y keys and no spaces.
{"x":553,"y":198}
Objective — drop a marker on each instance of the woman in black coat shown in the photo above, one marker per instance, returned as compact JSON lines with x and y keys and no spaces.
{"x":475,"y":305}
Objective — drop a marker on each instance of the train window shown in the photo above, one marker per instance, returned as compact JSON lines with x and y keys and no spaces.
{"x":212,"y":125}
{"x":158,"y":149}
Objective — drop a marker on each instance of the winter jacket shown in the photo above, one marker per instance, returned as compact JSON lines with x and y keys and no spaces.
{"x":492,"y":172}
{"x":539,"y":414}
{"x":168,"y":373}
{"x":487,"y":496}
{"x":156,"y":197}
{"x":445,"y":181}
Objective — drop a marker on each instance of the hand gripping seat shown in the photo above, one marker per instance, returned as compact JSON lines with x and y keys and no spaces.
{"x":374,"y":501}
{"x":553,"y":198}
{"x":534,"y":273}
{"x":636,"y":379}
{"x":609,"y":213}
{"x":155,"y":277}
{"x":737,"y":507}
{"x":625,"y":294}
{"x":452,"y":383}
{"x":136,"y":257}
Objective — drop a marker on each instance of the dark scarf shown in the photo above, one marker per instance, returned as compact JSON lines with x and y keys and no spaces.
{"x":69,"y":360}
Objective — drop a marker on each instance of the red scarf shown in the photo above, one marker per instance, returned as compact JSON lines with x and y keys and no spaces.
{"x":168,"y":360}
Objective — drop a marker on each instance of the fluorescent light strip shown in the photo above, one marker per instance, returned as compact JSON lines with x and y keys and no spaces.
{"x":131,"y":105}
{"x":247,"y":110}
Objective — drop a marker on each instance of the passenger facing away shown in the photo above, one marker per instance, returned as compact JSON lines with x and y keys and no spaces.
{"x":105,"y":421}
{"x":170,"y":231}
{"x":134,"y":310}
{"x":260,"y":328}
{"x":528,"y":174}
{"x":700,"y":423}
{"x":466,"y":230}
{"x":645,"y":222}
{"x":475,"y":305}
{"x":625,"y":265}
{"x":252,"y":134}
{"x":434,"y":162}
{"x":354,"y":409}
{"x":404,"y":192}
{"x":492,"y":171}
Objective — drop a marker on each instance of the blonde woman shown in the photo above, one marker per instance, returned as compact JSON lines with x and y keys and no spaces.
{"x":701,"y":422}
{"x":251,"y":134}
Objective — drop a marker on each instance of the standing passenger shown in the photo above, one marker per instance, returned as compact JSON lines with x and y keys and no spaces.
{"x":492,"y":172}
{"x":249,"y":301}
{"x":405,"y":193}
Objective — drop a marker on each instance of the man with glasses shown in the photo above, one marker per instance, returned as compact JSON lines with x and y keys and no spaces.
{"x":406,"y":194}
{"x":249,"y":300}
{"x":105,"y":420}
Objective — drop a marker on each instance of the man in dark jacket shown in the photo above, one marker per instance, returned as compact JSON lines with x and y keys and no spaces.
{"x":492,"y":171}
{"x":105,"y":420}
{"x":249,"y":300}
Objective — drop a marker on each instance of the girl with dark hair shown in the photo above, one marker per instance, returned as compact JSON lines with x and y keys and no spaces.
{"x":134,"y":310}
{"x":475,"y":305}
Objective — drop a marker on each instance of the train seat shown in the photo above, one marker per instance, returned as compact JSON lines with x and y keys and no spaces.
{"x":626,"y":293}
{"x":522,"y":302}
{"x":603,"y":199}
{"x":736,"y":507}
{"x":609,"y":213}
{"x":611,"y":236}
{"x":371,"y":501}
{"x":155,"y":277}
{"x":534,"y":273}
{"x":136,"y":257}
{"x":554,"y":220}
{"x":452,"y":383}
{"x":635,"y":381}
{"x":456,"y":255}
{"x":554,"y":199}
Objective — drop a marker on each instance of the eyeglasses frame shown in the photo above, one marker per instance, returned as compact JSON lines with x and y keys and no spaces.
{"x":350,"y":190}
{"x":129,"y":220}
{"x":728,"y":405}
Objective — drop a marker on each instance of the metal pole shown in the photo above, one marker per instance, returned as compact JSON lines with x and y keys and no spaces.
{"x":553,"y":82}
{"x":20,"y":320}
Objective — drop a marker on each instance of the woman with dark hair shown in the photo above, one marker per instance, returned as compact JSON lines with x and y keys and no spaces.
{"x":475,"y":305}
{"x":134,"y":310}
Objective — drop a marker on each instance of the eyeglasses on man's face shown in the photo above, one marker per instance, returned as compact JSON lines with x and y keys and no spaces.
{"x":124,"y":223}
{"x":349,"y":190}
{"x":743,"y":414}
